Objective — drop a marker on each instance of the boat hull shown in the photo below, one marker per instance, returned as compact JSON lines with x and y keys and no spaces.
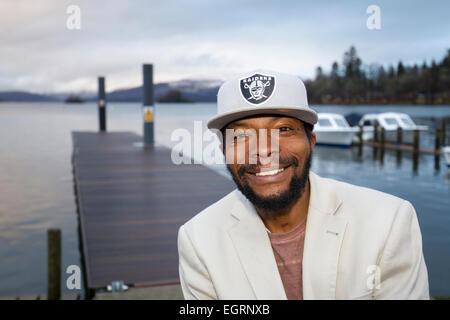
{"x":335,"y":138}
{"x":446,"y":151}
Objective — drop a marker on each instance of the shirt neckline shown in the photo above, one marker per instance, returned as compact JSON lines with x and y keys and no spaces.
{"x":285,"y":236}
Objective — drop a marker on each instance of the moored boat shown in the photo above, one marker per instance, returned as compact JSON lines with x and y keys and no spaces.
{"x":333,"y":130}
{"x":390,"y":121}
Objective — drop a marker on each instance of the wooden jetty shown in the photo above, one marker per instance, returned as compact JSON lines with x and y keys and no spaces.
{"x":131,"y":201}
{"x":401,"y":147}
{"x":380,"y":142}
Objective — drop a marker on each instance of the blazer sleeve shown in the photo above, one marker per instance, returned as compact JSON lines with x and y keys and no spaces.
{"x":194,"y":278}
{"x":403,"y":273}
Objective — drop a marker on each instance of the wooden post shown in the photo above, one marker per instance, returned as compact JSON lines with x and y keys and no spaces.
{"x":443,"y":132}
{"x":382,"y":140}
{"x":375,"y":140}
{"x":360,"y":136}
{"x":54,"y":264}
{"x":382,"y":137}
{"x":416,"y":141}
{"x":375,"y":132}
{"x":415,"y":150}
{"x":399,"y":135}
{"x":437,"y":146}
{"x":101,"y":104}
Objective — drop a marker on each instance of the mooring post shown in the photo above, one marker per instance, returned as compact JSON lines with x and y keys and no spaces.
{"x":443,"y":128}
{"x":399,"y":135}
{"x":375,"y":132}
{"x":54,"y":264}
{"x":360,"y":136}
{"x":382,"y":140}
{"x":416,"y":141}
{"x":415,"y":150}
{"x":101,"y":104}
{"x":375,"y":140}
{"x":437,"y":146}
{"x":148,"y":106}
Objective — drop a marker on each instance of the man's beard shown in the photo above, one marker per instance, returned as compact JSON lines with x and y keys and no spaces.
{"x":280,"y":201}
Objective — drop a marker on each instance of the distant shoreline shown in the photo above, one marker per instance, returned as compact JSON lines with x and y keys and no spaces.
{"x":213,"y":102}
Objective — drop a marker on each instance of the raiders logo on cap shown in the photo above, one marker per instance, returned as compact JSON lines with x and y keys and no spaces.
{"x":257,"y":88}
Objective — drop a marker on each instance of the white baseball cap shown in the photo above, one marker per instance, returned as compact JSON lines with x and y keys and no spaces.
{"x":262,"y":92}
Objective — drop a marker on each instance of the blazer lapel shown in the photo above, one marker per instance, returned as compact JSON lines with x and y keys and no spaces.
{"x":253,"y":246}
{"x":323,"y":239}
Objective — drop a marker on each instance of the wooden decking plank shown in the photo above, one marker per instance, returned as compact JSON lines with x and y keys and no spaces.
{"x":131,"y":203}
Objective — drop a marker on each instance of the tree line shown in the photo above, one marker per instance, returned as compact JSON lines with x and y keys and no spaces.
{"x":352,"y":82}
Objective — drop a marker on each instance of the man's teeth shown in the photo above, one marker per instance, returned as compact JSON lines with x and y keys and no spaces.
{"x":269,"y":173}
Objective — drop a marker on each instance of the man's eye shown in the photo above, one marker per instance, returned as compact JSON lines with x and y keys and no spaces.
{"x":284,"y":129}
{"x":240,"y":136}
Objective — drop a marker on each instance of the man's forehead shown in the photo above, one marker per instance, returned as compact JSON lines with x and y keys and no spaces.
{"x":266,"y":118}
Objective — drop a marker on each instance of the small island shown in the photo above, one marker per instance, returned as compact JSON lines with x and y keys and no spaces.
{"x":173,"y":96}
{"x":74,"y":99}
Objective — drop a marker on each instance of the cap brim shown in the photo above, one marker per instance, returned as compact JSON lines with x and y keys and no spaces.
{"x":305,"y":114}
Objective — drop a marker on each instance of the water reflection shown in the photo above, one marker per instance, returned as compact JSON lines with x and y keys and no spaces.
{"x":447,"y":176}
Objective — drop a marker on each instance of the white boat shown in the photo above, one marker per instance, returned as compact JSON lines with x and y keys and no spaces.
{"x":333,"y":130}
{"x":446,"y":151}
{"x":390,"y":121}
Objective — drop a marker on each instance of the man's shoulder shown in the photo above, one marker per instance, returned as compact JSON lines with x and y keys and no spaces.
{"x":216,"y":215}
{"x":370,"y":214}
{"x":364,"y":200}
{"x":350,"y":191}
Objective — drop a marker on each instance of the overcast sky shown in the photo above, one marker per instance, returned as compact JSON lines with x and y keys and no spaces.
{"x":205,"y":39}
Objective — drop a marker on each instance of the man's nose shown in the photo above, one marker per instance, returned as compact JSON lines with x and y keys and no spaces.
{"x":266,"y":147}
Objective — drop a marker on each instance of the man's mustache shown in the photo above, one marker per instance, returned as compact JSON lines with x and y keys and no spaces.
{"x":283,"y":162}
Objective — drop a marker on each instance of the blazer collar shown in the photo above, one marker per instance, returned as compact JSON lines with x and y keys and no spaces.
{"x":323,"y":194}
{"x":252,"y":244}
{"x":325,"y":228}
{"x":323,"y":239}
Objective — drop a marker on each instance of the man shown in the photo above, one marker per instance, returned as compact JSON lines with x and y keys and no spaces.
{"x":287,"y":233}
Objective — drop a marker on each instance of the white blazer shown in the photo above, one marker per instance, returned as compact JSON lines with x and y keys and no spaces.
{"x":359,"y":244}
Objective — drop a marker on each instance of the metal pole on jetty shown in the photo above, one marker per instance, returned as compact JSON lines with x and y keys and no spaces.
{"x":54,"y":264}
{"x":101,"y":104}
{"x":148,"y":105}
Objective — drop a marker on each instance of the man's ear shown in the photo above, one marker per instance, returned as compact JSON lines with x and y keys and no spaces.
{"x":313,"y":140}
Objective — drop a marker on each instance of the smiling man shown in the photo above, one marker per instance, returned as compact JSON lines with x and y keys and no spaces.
{"x":287,"y":233}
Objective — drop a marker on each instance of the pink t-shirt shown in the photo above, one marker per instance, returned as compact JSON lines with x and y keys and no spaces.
{"x":288,"y":250}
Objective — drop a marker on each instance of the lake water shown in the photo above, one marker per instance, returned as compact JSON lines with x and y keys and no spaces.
{"x":36,"y":186}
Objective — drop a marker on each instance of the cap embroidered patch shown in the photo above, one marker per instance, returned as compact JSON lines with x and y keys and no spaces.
{"x":257,"y":88}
